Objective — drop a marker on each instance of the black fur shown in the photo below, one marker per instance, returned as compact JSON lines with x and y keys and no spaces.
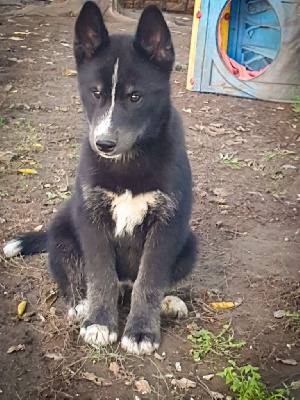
{"x":86,"y":257}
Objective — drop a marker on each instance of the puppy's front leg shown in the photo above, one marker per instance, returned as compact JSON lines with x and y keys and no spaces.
{"x":101,"y":322}
{"x":142,"y":331}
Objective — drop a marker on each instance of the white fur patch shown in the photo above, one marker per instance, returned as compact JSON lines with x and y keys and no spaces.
{"x":144,"y":347}
{"x":104,"y":124}
{"x":78,"y":313}
{"x":98,"y":335}
{"x":12,"y":248}
{"x":129,"y":211}
{"x":173,"y":306}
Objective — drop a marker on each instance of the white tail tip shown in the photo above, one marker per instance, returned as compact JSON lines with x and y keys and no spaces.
{"x":12,"y":248}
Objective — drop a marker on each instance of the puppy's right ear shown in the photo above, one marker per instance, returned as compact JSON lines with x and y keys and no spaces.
{"x":90,"y":32}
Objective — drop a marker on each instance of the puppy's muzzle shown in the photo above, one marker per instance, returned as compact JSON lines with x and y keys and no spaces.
{"x":106,"y":146}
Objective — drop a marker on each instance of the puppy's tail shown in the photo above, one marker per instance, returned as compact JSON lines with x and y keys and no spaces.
{"x":25,"y":244}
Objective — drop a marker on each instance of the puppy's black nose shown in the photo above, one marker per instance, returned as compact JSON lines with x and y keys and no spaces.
{"x":106,"y":146}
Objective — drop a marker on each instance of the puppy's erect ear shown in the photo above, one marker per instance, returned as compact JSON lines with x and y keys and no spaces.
{"x":90,"y":32}
{"x":153,"y":38}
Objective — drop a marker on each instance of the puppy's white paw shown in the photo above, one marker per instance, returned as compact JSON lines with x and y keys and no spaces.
{"x":78,"y":313}
{"x":98,"y":335}
{"x":174,"y":307}
{"x":143,"y":347}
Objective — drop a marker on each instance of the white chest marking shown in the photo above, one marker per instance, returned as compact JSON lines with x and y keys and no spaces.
{"x":129,"y":211}
{"x":104,"y":124}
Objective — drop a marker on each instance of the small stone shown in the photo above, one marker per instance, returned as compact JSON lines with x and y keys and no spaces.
{"x":279,"y":314}
{"x":178,"y":366}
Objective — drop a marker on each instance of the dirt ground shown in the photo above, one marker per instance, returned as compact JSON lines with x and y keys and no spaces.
{"x":246,"y":220}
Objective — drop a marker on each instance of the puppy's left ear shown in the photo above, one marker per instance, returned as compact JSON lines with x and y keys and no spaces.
{"x":153,"y":38}
{"x":90,"y":32}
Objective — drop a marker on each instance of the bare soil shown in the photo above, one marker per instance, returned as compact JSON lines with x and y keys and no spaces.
{"x":246,"y":220}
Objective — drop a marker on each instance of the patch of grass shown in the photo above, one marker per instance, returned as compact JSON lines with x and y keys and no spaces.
{"x":27,"y":136}
{"x":3,"y":193}
{"x":2,"y":121}
{"x":246,"y":383}
{"x":103,"y":354}
{"x":270,"y":155}
{"x":296,"y":107}
{"x":205,"y":342}
{"x":277,"y":193}
{"x":294,"y":320}
{"x":61,"y":196}
{"x":232,"y":162}
{"x":72,"y":156}
{"x":296,"y":103}
{"x":296,"y":100}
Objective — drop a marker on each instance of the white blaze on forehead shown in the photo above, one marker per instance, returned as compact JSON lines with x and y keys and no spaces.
{"x":104,"y":124}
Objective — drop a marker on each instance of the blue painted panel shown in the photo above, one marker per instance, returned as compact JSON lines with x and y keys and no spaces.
{"x":281,"y":80}
{"x":254,"y":33}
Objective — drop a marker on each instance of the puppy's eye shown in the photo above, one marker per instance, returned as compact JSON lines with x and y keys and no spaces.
{"x":97,"y":94}
{"x":134,"y":97}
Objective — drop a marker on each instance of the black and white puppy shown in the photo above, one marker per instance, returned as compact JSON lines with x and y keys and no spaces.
{"x":128,"y":218}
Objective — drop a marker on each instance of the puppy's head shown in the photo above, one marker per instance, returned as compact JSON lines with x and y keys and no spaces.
{"x":123,"y":81}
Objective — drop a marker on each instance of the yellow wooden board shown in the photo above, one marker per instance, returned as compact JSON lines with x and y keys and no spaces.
{"x":194,"y":37}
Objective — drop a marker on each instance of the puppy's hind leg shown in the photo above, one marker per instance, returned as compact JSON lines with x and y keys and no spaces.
{"x":66,"y":265}
{"x":173,"y":306}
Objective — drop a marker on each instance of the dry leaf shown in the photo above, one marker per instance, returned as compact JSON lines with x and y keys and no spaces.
{"x":37,"y":145}
{"x":158,"y":357}
{"x":289,"y":361}
{"x":142,"y":386}
{"x":238,"y":302}
{"x":38,"y":228}
{"x":96,"y":379}
{"x":12,"y":349}
{"x":113,"y":367}
{"x":216,"y":395}
{"x":222,"y":304}
{"x":8,"y":87}
{"x":27,"y":171}
{"x":295,"y":385}
{"x":183,"y":383}
{"x":288,"y":166}
{"x":208,"y":377}
{"x":22,"y":33}
{"x":220,"y":192}
{"x":15,"y":38}
{"x":51,"y":298}
{"x":6,"y":157}
{"x":54,"y":356}
{"x":30,"y":162}
{"x":21,"y":308}
{"x":69,"y":72}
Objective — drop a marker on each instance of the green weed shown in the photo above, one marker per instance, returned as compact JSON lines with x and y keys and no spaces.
{"x":3,"y":193}
{"x":294,"y":320}
{"x":270,"y":155}
{"x":2,"y":121}
{"x":61,"y":196}
{"x":232,"y":162}
{"x":205,"y":342}
{"x":27,"y":135}
{"x":246,"y":383}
